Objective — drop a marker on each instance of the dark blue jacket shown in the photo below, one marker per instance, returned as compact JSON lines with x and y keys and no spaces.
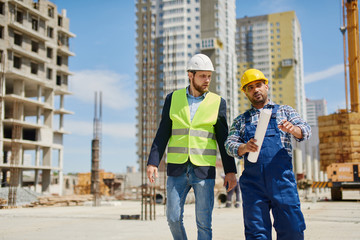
{"x":164,"y":133}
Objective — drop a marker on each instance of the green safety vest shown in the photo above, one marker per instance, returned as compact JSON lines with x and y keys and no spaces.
{"x":193,"y":139}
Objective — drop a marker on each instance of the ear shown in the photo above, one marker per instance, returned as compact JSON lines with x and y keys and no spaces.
{"x":190,"y":74}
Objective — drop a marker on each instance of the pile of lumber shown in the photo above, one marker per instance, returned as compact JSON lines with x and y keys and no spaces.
{"x":3,"y":201}
{"x":71,"y":200}
{"x":339,"y":136}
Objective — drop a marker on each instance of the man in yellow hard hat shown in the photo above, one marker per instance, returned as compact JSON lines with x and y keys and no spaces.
{"x":193,"y":123}
{"x":269,"y":183}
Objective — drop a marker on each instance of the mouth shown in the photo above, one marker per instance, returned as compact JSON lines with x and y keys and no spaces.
{"x":257,"y":95}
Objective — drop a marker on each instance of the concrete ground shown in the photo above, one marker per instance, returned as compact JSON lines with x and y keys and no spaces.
{"x":324,"y":219}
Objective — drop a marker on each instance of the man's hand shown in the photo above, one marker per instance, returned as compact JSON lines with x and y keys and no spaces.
{"x":250,"y":146}
{"x":230,"y":181}
{"x":288,"y":127}
{"x":151,"y":171}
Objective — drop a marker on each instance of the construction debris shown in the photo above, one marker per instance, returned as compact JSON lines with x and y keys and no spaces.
{"x":60,"y":201}
{"x":84,"y":183}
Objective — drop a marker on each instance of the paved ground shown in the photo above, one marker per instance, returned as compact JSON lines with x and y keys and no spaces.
{"x":324,"y":219}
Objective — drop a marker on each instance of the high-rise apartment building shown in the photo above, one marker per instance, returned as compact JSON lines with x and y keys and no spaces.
{"x":169,"y":33}
{"x":272,"y":43}
{"x":314,"y":109}
{"x":34,"y":47}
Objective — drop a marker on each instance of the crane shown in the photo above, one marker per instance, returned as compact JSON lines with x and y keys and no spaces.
{"x":352,"y":28}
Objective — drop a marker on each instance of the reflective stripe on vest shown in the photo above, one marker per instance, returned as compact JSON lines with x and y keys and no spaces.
{"x":193,"y":139}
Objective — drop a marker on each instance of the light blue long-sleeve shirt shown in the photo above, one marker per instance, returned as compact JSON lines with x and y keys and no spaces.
{"x":194,"y":102}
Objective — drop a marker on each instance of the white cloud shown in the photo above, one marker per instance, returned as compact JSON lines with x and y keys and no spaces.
{"x":117,"y":91}
{"x":330,"y":72}
{"x":117,"y":130}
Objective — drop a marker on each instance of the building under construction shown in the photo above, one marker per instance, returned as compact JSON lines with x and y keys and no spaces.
{"x":34,"y":47}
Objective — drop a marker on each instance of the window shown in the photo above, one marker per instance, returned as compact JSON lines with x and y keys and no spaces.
{"x":18,"y":39}
{"x":1,"y":32}
{"x":60,"y":21}
{"x":49,"y":52}
{"x":2,"y":8}
{"x":49,"y":73}
{"x":51,"y":12}
{"x":34,"y":46}
{"x":19,"y":17}
{"x":50,"y":32}
{"x":58,"y":60}
{"x":58,"y":80}
{"x":34,"y":67}
{"x":17,"y":62}
{"x":34,"y":24}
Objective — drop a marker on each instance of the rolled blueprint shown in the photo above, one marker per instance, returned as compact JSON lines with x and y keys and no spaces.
{"x":260,"y":133}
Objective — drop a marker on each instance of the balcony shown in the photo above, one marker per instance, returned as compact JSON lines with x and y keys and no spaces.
{"x":32,"y":55}
{"x":30,"y":8}
{"x":28,"y":30}
{"x":65,"y":31}
{"x":64,"y":50}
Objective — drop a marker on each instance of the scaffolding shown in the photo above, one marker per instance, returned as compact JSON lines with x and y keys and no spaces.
{"x":148,"y":101}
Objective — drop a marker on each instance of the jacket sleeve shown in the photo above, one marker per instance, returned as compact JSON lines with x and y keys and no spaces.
{"x":162,"y":135}
{"x":221,"y":131}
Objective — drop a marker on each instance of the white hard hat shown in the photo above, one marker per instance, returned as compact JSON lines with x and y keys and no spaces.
{"x":200,"y":62}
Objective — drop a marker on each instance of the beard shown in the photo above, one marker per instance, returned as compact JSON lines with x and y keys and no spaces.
{"x":200,"y":88}
{"x":259,"y":98}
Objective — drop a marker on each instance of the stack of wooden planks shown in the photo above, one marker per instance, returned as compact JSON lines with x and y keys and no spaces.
{"x":71,"y":200}
{"x":339,"y":136}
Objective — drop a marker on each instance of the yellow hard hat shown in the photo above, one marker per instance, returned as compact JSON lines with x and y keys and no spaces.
{"x":252,"y":75}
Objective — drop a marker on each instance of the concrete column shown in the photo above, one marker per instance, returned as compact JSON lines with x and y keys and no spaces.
{"x":37,"y":156}
{"x":46,"y":157}
{"x":39,"y":93}
{"x":36,"y":179}
{"x":61,"y":101}
{"x":38,"y":116}
{"x":308,"y":167}
{"x":61,"y":122}
{"x":46,"y":180}
{"x":316,"y":173}
{"x":61,"y":173}
{"x":298,"y":164}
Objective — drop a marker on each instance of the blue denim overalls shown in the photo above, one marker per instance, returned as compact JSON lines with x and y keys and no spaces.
{"x":270,"y":184}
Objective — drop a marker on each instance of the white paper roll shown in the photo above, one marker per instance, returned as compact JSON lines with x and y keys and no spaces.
{"x":263,"y":123}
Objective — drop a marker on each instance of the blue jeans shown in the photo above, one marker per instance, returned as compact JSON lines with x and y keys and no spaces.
{"x":177,"y":190}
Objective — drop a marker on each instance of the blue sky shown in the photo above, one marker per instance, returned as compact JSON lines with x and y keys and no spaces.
{"x":105,"y":60}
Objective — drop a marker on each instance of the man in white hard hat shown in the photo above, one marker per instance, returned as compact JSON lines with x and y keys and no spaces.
{"x":193,"y":124}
